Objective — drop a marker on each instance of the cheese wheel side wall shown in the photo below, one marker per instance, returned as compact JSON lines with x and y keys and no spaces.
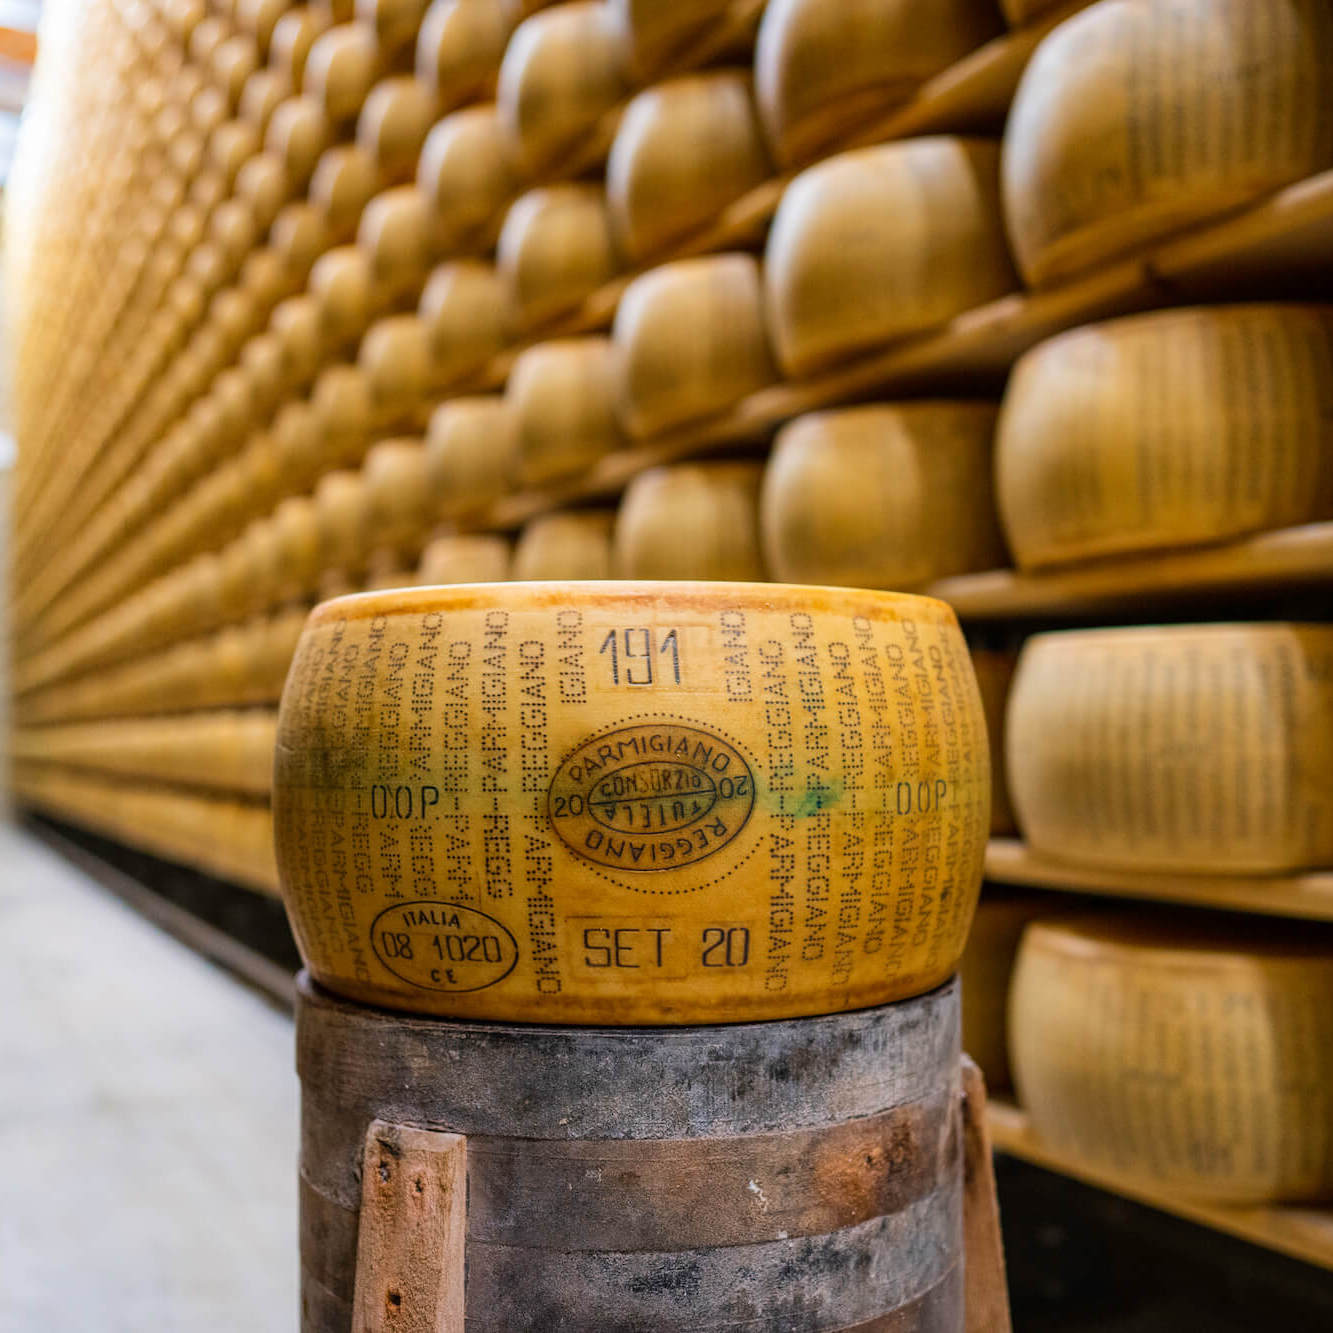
{"x":1202,"y":1071}
{"x":1200,"y":748}
{"x":812,"y":763}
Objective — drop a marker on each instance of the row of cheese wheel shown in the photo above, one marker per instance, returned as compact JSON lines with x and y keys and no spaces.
{"x":1185,"y":1054}
{"x":941,"y":175}
{"x":1146,"y":433}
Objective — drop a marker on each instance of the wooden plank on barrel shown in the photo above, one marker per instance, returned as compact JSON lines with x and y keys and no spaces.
{"x":409,"y":1259}
{"x":987,"y":1296}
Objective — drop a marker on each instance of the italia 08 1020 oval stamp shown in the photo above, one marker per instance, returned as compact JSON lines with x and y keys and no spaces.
{"x":654,"y":794}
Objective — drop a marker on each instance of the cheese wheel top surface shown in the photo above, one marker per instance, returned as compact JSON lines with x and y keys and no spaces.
{"x":1168,"y":429}
{"x":1134,"y":120}
{"x":882,"y":242}
{"x":1188,"y":1055}
{"x":1188,"y":747}
{"x":630,"y":803}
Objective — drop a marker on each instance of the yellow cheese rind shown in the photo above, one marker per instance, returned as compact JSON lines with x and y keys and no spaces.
{"x":1169,"y":429}
{"x":563,"y":395}
{"x":1188,"y":1058}
{"x":691,"y":521}
{"x":685,"y":149}
{"x":471,"y":453}
{"x":819,"y":847}
{"x":1196,"y":748}
{"x":995,"y":673}
{"x":691,"y":342}
{"x":1134,"y":120}
{"x":467,"y":558}
{"x":555,"y":250}
{"x":559,"y":546}
{"x":886,"y":496}
{"x":822,"y":69}
{"x":879,"y":243}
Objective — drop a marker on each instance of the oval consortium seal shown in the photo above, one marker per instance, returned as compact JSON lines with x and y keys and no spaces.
{"x":443,"y":946}
{"x":656,"y":794}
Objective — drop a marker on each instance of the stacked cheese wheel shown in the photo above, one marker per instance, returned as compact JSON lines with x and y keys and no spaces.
{"x":631,"y":803}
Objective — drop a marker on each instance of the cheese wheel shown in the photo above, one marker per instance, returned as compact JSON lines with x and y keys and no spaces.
{"x":652,"y":33}
{"x":880,"y":243}
{"x":886,"y":496}
{"x":1134,"y":120}
{"x":985,"y":971}
{"x":395,"y":231}
{"x":293,"y":36}
{"x":395,"y":357}
{"x":343,"y":286}
{"x":465,"y":306}
{"x":399,"y":502}
{"x":1195,"y":1059}
{"x":459,"y":49}
{"x":344,"y":182}
{"x":563,"y":396}
{"x":469,"y":558}
{"x":562,"y":73}
{"x":393,"y":123}
{"x":995,"y":673}
{"x":471,"y":453}
{"x":684,"y":150}
{"x":340,"y":70}
{"x":342,"y":411}
{"x":1168,"y":429}
{"x":561,"y":546}
{"x":554,"y":251}
{"x":298,"y":132}
{"x":691,"y":521}
{"x":630,"y":804}
{"x":466,"y":172}
{"x":394,"y":22}
{"x":342,"y":509}
{"x":691,"y":342}
{"x":296,"y":529}
{"x":266,"y":90}
{"x":1187,"y":748}
{"x":822,"y":70}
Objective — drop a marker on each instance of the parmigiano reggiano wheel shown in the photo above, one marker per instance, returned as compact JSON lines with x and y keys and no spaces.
{"x":1190,"y":747}
{"x":691,"y":521}
{"x":471,"y":453}
{"x":1168,"y":429}
{"x":470,"y":558}
{"x":1134,"y":120}
{"x":340,"y":70}
{"x":995,"y":673}
{"x":886,"y":496}
{"x":629,"y":804}
{"x":342,"y":506}
{"x":344,"y":182}
{"x":554,"y":251}
{"x":400,"y":506}
{"x":882,"y":242}
{"x":691,"y":342}
{"x":466,"y":308}
{"x":467,"y":173}
{"x":395,"y":356}
{"x":1197,"y":1059}
{"x":821,"y":69}
{"x":563,"y":396}
{"x":561,"y":546}
{"x":395,"y":231}
{"x":393,"y":123}
{"x":459,"y":49}
{"x":685,"y":149}
{"x":344,"y":288}
{"x":563,"y":71}
{"x":985,"y":971}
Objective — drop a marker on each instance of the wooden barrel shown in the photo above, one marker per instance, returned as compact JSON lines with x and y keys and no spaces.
{"x":793,"y":1174}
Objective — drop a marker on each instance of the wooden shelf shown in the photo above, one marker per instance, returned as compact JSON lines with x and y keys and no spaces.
{"x":1301,"y":1233}
{"x":1308,"y":895}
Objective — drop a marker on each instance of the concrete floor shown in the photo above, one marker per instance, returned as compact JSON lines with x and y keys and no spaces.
{"x":148,"y":1122}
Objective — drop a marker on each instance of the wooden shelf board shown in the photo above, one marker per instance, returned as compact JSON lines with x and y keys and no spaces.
{"x":1301,"y":1233}
{"x":1262,"y":563}
{"x":1308,"y":895}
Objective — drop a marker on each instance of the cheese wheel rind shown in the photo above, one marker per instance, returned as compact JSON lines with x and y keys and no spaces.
{"x":1167,"y":429}
{"x":1194,"y":1060}
{"x":511,"y":819}
{"x":1196,"y":748}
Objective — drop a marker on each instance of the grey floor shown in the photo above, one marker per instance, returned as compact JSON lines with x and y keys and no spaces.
{"x":148,"y":1115}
